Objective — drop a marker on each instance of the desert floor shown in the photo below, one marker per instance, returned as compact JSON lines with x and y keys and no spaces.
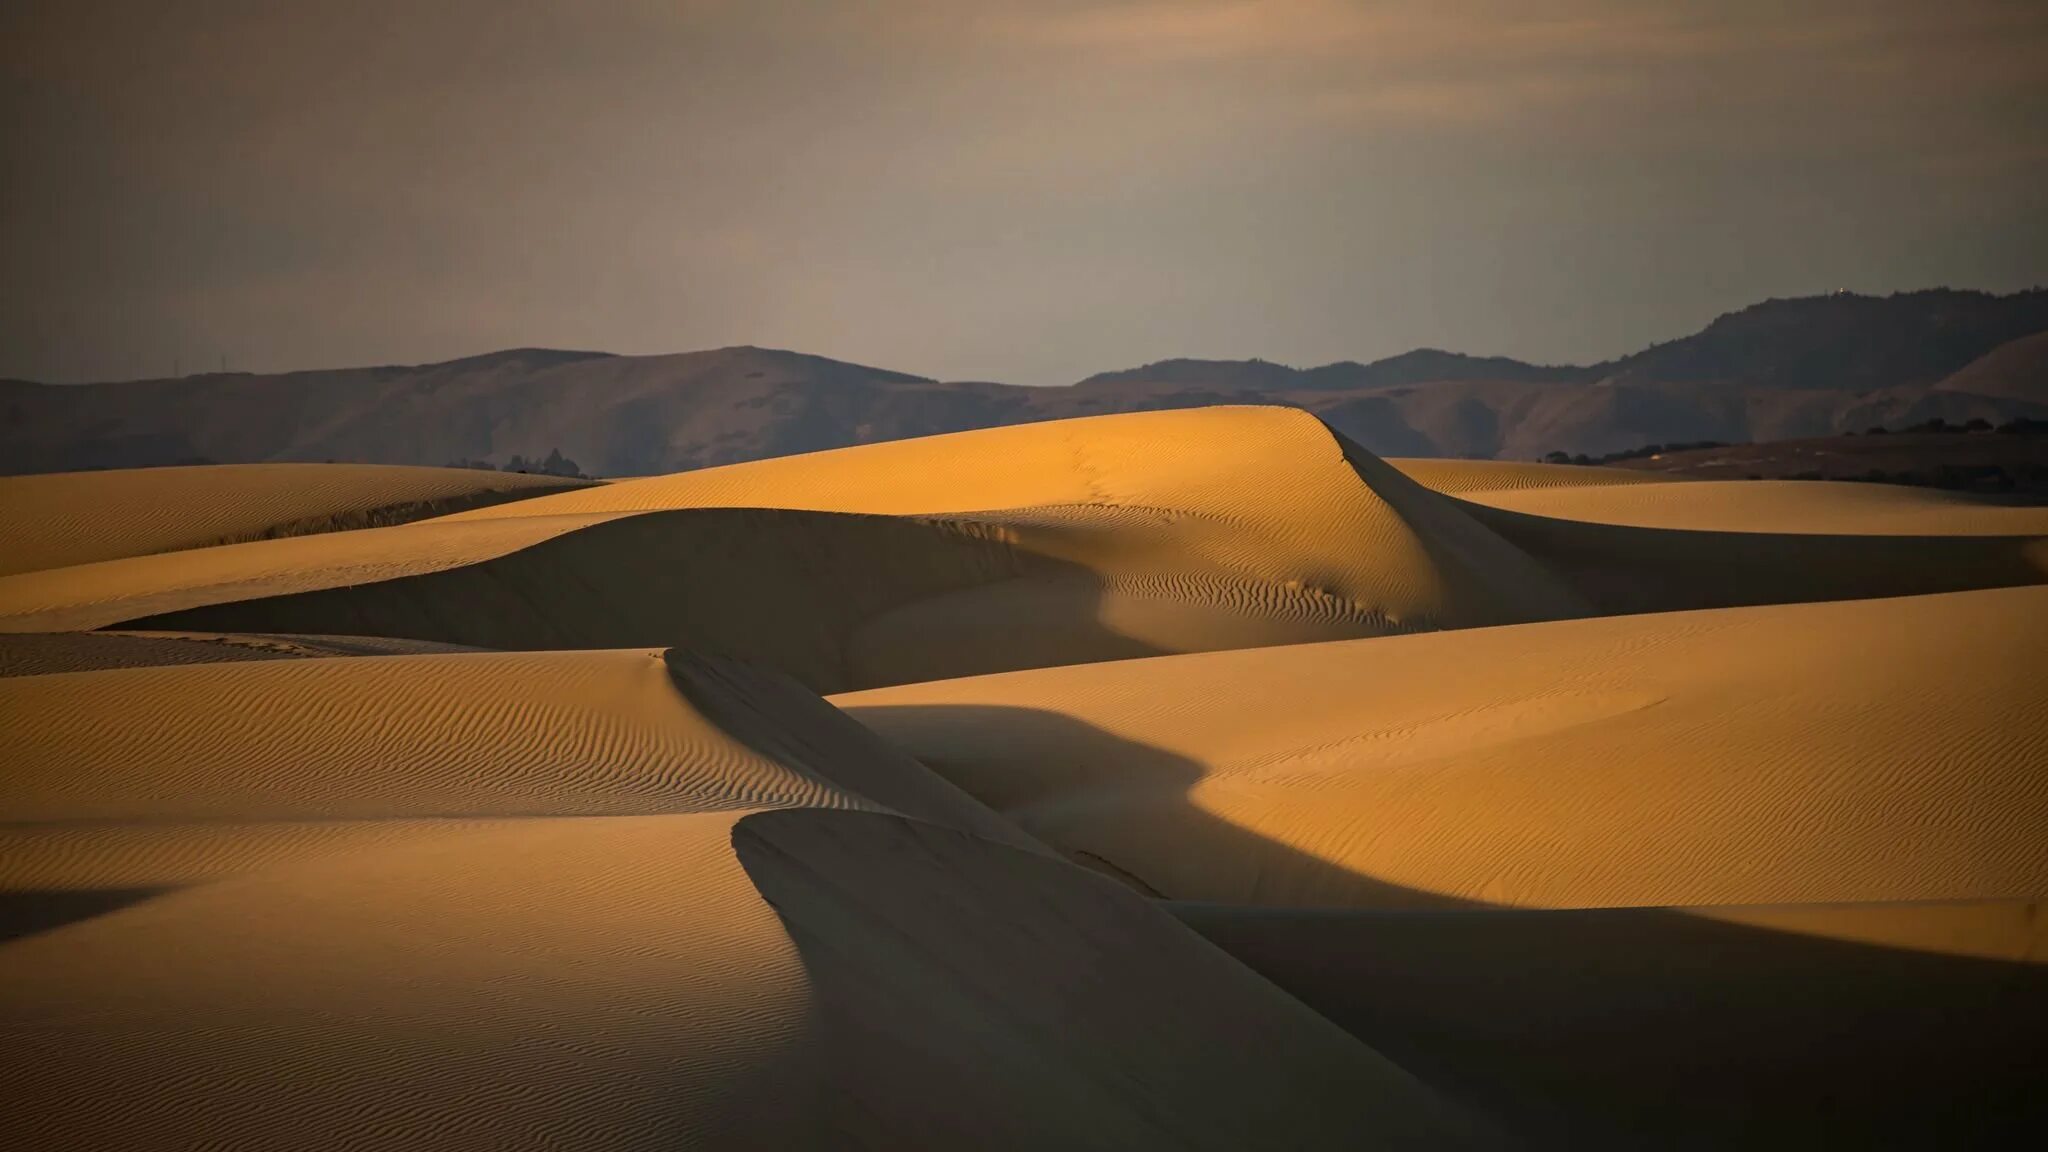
{"x":1187,"y":779}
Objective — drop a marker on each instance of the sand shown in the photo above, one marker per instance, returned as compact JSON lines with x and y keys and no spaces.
{"x":1870,"y":750}
{"x":626,"y":898}
{"x":1463,"y":477}
{"x":1096,"y":539}
{"x":1622,"y":568}
{"x":1630,"y":541}
{"x":1886,"y":1025}
{"x":220,"y":767}
{"x":1818,"y":507}
{"x":65,"y":518}
{"x":1190,"y":780}
{"x":41,"y":653}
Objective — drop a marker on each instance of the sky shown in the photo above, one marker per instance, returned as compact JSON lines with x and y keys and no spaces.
{"x":1025,"y":192}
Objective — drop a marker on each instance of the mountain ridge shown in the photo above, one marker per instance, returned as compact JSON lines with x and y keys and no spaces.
{"x":1779,"y":369}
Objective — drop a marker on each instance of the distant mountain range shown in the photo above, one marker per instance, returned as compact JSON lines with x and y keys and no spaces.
{"x":1813,"y":366}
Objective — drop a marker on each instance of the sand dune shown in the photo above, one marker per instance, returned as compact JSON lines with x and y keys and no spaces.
{"x":41,"y":653}
{"x":221,"y":767}
{"x":522,"y":900}
{"x":1087,"y":540}
{"x":1461,"y":477}
{"x":1061,"y":543}
{"x":511,"y":986}
{"x":1622,"y":567}
{"x":1264,"y":499}
{"x":1068,"y":542}
{"x":66,"y":518}
{"x":1191,"y":460}
{"x":1889,"y":1025}
{"x":108,"y":592}
{"x":791,"y":979}
{"x":553,"y":868}
{"x":1795,"y":506}
{"x":1873,"y":750}
{"x":1651,"y":542}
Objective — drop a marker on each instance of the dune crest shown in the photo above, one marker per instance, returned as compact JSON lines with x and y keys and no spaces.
{"x":1194,"y":779}
{"x":633,"y":897}
{"x":1869,"y":750}
{"x":1463,"y":477}
{"x":1059,"y":543}
{"x":60,"y":519}
{"x":225,"y":767}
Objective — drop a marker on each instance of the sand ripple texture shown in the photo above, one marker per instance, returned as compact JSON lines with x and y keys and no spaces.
{"x":1101,"y":538}
{"x":634,"y":904}
{"x":1195,"y":780}
{"x":220,"y":765}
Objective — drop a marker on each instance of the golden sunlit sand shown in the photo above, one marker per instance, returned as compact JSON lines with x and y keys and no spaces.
{"x":517,"y":899}
{"x":66,"y":518}
{"x":1113,"y":536}
{"x":1187,"y":779}
{"x":1867,"y":750}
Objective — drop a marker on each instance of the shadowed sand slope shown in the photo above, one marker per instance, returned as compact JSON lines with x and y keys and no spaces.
{"x":471,"y":832}
{"x":41,"y":653}
{"x":1460,"y":477}
{"x":105,"y":593}
{"x":1650,"y":542}
{"x":1267,"y":494}
{"x":1060,"y":543}
{"x":1047,"y":544}
{"x":67,"y":518}
{"x":517,"y":900}
{"x":1866,"y":1025}
{"x":1873,"y":750}
{"x":1832,"y":548}
{"x":1788,"y":506}
{"x":796,"y":979}
{"x":984,"y":997}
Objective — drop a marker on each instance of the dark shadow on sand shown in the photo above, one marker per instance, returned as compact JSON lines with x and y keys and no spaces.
{"x":1579,"y":1028}
{"x":27,"y":912}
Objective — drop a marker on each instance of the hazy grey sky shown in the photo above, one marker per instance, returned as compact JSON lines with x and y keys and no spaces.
{"x":1014,"y":191}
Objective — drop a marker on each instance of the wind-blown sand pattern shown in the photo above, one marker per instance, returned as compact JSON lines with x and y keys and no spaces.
{"x":550,"y":918}
{"x":1193,"y":780}
{"x":1048,"y":544}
